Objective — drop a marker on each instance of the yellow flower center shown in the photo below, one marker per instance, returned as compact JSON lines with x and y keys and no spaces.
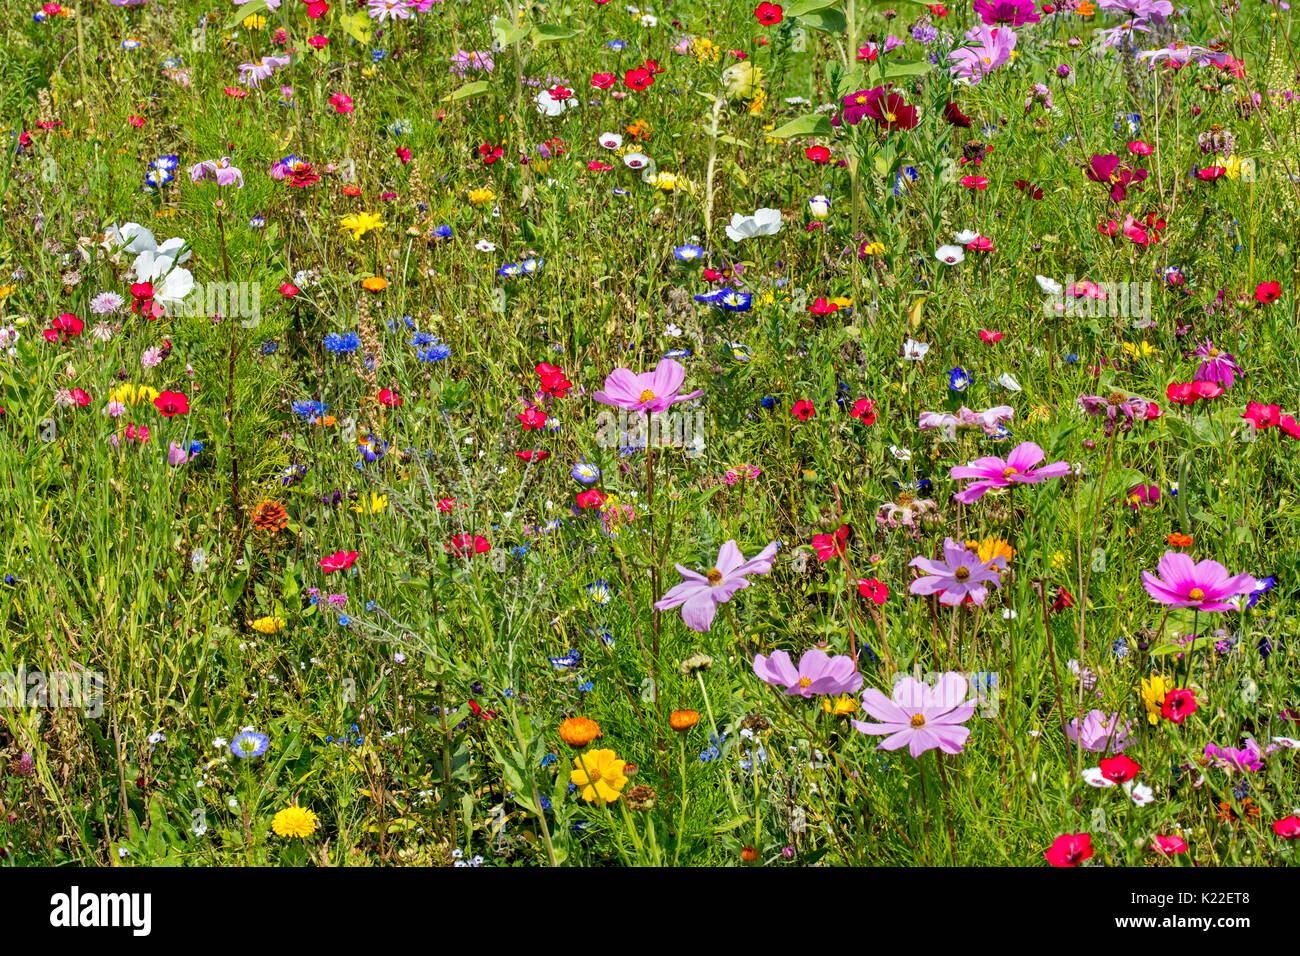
{"x":805,"y":682}
{"x":1214,"y":353}
{"x":962,"y":573}
{"x":1008,"y":472}
{"x":890,"y":117}
{"x":715,"y":578}
{"x":918,"y":720}
{"x":647,"y":396}
{"x":1196,"y":594}
{"x":862,"y":99}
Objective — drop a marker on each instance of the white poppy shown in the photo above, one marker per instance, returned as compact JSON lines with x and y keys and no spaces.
{"x":549,"y":105}
{"x":902,"y":454}
{"x":1139,"y":793}
{"x":966,"y":237}
{"x":637,"y":161}
{"x":914,"y":351}
{"x":764,"y":222}
{"x":610,"y":140}
{"x":1050,"y":286}
{"x":952,"y":255}
{"x":1095,"y":778}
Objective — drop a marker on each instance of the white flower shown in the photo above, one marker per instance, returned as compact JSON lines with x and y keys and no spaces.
{"x":914,"y":351}
{"x":1288,"y":742}
{"x":649,"y":20}
{"x":902,"y":454}
{"x":610,"y":140}
{"x":485,"y":245}
{"x":1139,"y":793}
{"x":819,"y":207}
{"x":673,"y":331}
{"x":548,"y":105}
{"x":764,"y":222}
{"x":637,"y":161}
{"x":1008,"y":381}
{"x":966,"y":236}
{"x":1050,"y":286}
{"x":952,"y":255}
{"x":1094,"y":778}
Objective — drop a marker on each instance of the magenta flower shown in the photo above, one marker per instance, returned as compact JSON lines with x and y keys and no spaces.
{"x":1017,"y":469}
{"x":1218,"y":367}
{"x":1013,"y":13}
{"x":959,"y":574}
{"x":649,"y":391}
{"x":700,"y":594}
{"x":1206,"y":586}
{"x":817,"y":673}
{"x":1250,"y":757}
{"x":920,"y":716}
{"x":1100,"y":733}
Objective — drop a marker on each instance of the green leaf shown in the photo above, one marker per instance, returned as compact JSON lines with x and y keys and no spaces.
{"x":804,"y":126}
{"x":507,"y":35}
{"x":808,"y":6}
{"x":468,"y":90}
{"x":551,"y":33}
{"x":357,"y":26}
{"x":246,"y":10}
{"x":828,"y":21}
{"x":896,"y":68}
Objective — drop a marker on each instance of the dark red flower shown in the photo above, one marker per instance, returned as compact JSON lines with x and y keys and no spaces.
{"x":1120,"y":769}
{"x":769,"y":14}
{"x":552,"y":380}
{"x":803,"y":410}
{"x":1267,"y":292}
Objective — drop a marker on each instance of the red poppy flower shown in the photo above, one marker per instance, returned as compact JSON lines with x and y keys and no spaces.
{"x":533,"y":455}
{"x":769,"y":14}
{"x":317,"y":9}
{"x":990,"y":338}
{"x":818,"y":154}
{"x":603,"y":81}
{"x":1070,"y":849}
{"x":338,"y":561}
{"x":822,"y":307}
{"x":1210,"y":173}
{"x":938,"y":10}
{"x":1179,"y":705}
{"x":532,"y":418}
{"x":874,"y":589}
{"x":553,"y":380}
{"x":490,"y":154}
{"x":831,"y":545}
{"x":390,"y":398}
{"x":638,"y":79}
{"x":591,"y":499}
{"x":1120,"y":769}
{"x":288,"y":290}
{"x":1289,"y":425}
{"x":79,"y":397}
{"x":66,"y":326}
{"x":1288,"y":828}
{"x":463,"y":544}
{"x":864,"y":409}
{"x":1267,"y":292}
{"x":803,"y":410}
{"x":1187,"y":393}
{"x":1262,"y":416}
{"x":974,"y":182}
{"x":172,"y":403}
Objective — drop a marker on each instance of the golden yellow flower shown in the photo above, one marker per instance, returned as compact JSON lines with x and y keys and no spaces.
{"x":268,"y":625}
{"x":374,"y":284}
{"x":705,"y":50}
{"x":295,"y":822}
{"x":374,"y":506}
{"x":253,"y":22}
{"x":758,"y":102}
{"x":990,"y":548}
{"x":579,"y":731}
{"x":873,"y":249}
{"x":360,"y":223}
{"x":600,"y":775}
{"x":480,"y":196}
{"x":129,"y":394}
{"x":1154,"y":692}
{"x":841,"y":706}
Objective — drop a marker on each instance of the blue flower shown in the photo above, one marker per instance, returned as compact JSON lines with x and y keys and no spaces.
{"x":678,"y":353}
{"x":900,"y":181}
{"x":442,"y":232}
{"x":250,"y":744}
{"x":616,"y":45}
{"x":732,"y":301}
{"x":1262,"y":587}
{"x":585,"y":472}
{"x":687,"y":253}
{"x":310,"y":409}
{"x":434,"y":353}
{"x":600,"y":592}
{"x":510,"y":269}
{"x":958,"y":380}
{"x":532,"y":265}
{"x":566,"y":661}
{"x":1132,"y":122}
{"x":257,"y":222}
{"x":270,"y":347}
{"x":342,"y":343}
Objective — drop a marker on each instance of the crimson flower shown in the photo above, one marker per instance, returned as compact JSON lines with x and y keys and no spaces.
{"x":66,"y":326}
{"x":172,"y":403}
{"x":338,"y":561}
{"x":390,"y":398}
{"x":874,"y":589}
{"x":818,"y":154}
{"x":1179,"y":705}
{"x":1262,"y":416}
{"x":830,"y":545}
{"x":1069,"y":849}
{"x":463,"y":544}
{"x":532,"y":418}
{"x":891,"y":112}
{"x":864,"y":409}
{"x":803,"y":410}
{"x":552,"y":379}
{"x":1107,"y":170}
{"x":1267,"y":292}
{"x":1120,"y":769}
{"x":1187,"y":393}
{"x":639,"y":79}
{"x":769,"y":14}
{"x":591,"y":499}
{"x":1288,"y":828}
{"x":821,"y":306}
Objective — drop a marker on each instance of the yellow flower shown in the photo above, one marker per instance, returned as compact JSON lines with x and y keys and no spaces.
{"x":1059,"y":559}
{"x":990,"y":548}
{"x":600,"y":775}
{"x":268,"y":625}
{"x":873,"y":249}
{"x":840,"y":706}
{"x":132,"y":394}
{"x":375,"y":506}
{"x":704,"y":50}
{"x":295,"y":822}
{"x":1146,"y":349}
{"x":757,"y":103}
{"x":360,"y":223}
{"x":842,"y":301}
{"x":374,"y":284}
{"x":253,"y":22}
{"x":7,"y":290}
{"x":480,"y":196}
{"x":1154,"y":692}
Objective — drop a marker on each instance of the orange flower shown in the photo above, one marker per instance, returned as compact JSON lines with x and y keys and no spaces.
{"x":683,"y":720}
{"x":1085,"y":9}
{"x":375,"y":284}
{"x":579,"y":731}
{"x":271,"y":516}
{"x":749,"y":854}
{"x":1180,"y":540}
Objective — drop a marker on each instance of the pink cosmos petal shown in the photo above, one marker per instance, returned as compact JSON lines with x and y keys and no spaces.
{"x":698,"y":611}
{"x":1025,"y":456}
{"x":729,"y":558}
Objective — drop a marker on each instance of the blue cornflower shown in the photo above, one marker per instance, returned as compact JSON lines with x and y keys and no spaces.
{"x":434,"y":353}
{"x":310,"y":408}
{"x":442,"y":232}
{"x":344,"y":620}
{"x":1262,"y":587}
{"x":270,"y":347}
{"x":341,"y":343}
{"x":257,"y":222}
{"x":377,"y":55}
{"x":250,"y":744}
{"x":424,"y":338}
{"x":616,"y":45}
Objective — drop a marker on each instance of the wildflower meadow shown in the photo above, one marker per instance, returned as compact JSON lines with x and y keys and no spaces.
{"x":499,"y":433}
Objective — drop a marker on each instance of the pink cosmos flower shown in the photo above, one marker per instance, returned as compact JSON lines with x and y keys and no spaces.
{"x":647,"y":392}
{"x":700,"y":594}
{"x":1018,"y":468}
{"x":959,"y":574}
{"x":919,"y":716}
{"x":817,"y":673}
{"x":991,"y":48}
{"x":219,"y":170}
{"x":1205,"y":586}
{"x":1100,"y":733}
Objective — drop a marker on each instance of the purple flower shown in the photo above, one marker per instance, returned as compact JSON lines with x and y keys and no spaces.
{"x":1100,"y":733}
{"x":817,"y":673}
{"x":920,"y":716}
{"x":960,"y":573}
{"x":992,"y":48}
{"x":1011,"y":12}
{"x":1218,"y":367}
{"x":700,"y":594}
{"x":649,"y":391}
{"x":218,"y":169}
{"x":1205,"y":586}
{"x":1251,"y":757}
{"x":1018,"y":469}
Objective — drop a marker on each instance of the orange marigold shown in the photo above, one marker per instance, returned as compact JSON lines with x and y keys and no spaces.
{"x":579,"y":731}
{"x":683,"y":719}
{"x":271,"y":516}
